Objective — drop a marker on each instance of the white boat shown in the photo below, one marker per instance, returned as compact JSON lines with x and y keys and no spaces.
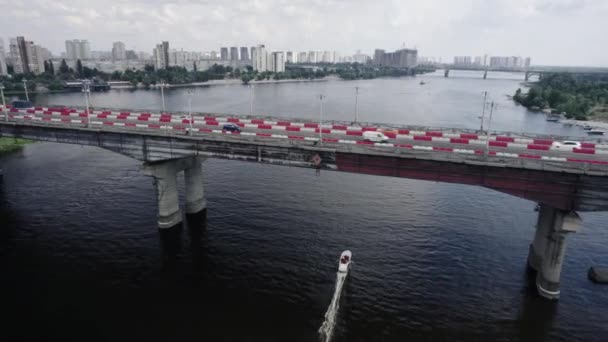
{"x":595,"y":132}
{"x":345,"y":260}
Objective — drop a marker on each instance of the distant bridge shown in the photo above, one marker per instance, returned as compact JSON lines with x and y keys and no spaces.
{"x":561,"y":180}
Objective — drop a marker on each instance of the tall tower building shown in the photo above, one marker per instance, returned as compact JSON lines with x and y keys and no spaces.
{"x":234,"y":53}
{"x":161,"y":56}
{"x":224,"y":53}
{"x":260,"y":59}
{"x":3,"y":68}
{"x":244,"y":53}
{"x":118,"y":51}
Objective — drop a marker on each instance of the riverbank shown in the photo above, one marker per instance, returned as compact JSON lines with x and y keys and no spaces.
{"x":8,"y":145}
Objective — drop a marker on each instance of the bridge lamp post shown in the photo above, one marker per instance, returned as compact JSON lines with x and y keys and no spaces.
{"x":86,"y":89}
{"x":3,"y":102}
{"x":251,"y":86}
{"x":27,"y":96}
{"x":483,"y":110}
{"x":321,"y":97}
{"x":356,"y":104}
{"x":489,"y":126}
{"x":190,"y":110}
{"x":162,"y":86}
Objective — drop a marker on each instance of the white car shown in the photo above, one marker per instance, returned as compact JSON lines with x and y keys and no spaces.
{"x":567,"y":144}
{"x":376,"y":137}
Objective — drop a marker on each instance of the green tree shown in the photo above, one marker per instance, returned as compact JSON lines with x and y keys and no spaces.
{"x":63,"y":68}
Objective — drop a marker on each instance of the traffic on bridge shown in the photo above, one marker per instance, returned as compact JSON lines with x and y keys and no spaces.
{"x":331,"y":133}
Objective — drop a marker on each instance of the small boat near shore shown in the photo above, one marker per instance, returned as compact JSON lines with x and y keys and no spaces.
{"x":595,"y":132}
{"x":345,"y":260}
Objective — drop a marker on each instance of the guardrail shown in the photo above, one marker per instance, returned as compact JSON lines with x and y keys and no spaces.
{"x":363,"y":124}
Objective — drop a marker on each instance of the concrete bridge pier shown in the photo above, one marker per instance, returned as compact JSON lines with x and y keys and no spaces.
{"x":195,"y":195}
{"x":547,"y":251}
{"x":164,"y":174}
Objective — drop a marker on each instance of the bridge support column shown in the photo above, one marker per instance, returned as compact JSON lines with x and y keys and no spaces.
{"x":165,"y":181}
{"x":548,"y":249}
{"x":195,"y":196}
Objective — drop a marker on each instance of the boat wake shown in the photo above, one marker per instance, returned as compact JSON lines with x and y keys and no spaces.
{"x":327,"y":328}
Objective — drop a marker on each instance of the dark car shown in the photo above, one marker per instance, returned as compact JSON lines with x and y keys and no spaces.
{"x":232,"y":128}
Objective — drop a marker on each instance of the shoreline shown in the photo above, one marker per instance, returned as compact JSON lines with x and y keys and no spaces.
{"x":8,"y":145}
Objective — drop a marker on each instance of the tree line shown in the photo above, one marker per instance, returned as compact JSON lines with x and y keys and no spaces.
{"x":577,"y":96}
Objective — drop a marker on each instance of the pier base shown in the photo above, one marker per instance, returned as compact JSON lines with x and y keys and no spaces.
{"x":164,"y":174}
{"x":547,"y":251}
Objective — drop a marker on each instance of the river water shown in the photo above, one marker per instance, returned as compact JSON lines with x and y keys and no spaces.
{"x":81,"y":256}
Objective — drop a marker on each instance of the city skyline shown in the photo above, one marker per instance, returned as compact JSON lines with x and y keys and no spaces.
{"x":444,"y":29}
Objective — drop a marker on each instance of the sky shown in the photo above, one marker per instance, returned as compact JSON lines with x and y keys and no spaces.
{"x":551,"y":32}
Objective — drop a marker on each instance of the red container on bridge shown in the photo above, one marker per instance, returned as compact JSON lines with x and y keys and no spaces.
{"x":283,"y":123}
{"x":469,"y":136}
{"x":340,"y":127}
{"x":257,"y":121}
{"x":434,"y":134}
{"x":505,"y":139}
{"x":311,"y":125}
{"x":233,"y":120}
{"x":538,"y":147}
{"x":423,"y":137}
{"x":369,"y":129}
{"x":403,"y":131}
{"x":542,"y":142}
{"x":292,"y":128}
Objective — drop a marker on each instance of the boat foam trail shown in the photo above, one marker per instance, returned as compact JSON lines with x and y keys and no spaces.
{"x":327,"y":328}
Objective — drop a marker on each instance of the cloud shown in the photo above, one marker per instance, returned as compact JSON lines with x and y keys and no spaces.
{"x":550,"y":31}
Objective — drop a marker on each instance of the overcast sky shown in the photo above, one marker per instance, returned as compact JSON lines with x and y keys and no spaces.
{"x":554,"y":32}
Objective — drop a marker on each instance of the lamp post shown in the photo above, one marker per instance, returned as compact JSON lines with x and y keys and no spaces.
{"x":27,"y":97}
{"x":489,"y":126}
{"x":356,"y":104}
{"x":86,"y":89}
{"x":251,"y":99}
{"x":483,"y":110}
{"x":190,"y":110}
{"x":321,"y":97}
{"x":162,"y":86}
{"x":3,"y":102}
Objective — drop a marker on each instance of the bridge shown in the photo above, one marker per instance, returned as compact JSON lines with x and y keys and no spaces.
{"x":562,"y":180}
{"x":539,"y":71}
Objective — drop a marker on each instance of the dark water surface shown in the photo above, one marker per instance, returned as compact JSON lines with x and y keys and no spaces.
{"x":82,"y":259}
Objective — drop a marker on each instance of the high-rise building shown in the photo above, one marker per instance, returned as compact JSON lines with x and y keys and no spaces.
{"x":277,"y":61}
{"x":3,"y":69}
{"x":403,"y":58}
{"x":77,"y":49}
{"x":312,"y":57}
{"x":234,"y":53}
{"x":26,"y":56}
{"x":289,"y":57}
{"x":224,"y":54}
{"x":302,"y":57}
{"x":118,"y":51}
{"x":85,"y":49}
{"x":527,"y":63}
{"x":244,"y":53}
{"x":260,"y":59}
{"x":161,"y":56}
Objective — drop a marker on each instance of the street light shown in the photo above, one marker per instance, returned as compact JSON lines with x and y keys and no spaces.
{"x":3,"y":102}
{"x":483,"y":110}
{"x":251,"y":100}
{"x":190,"y":110}
{"x":27,"y":97}
{"x":356,"y":107}
{"x":489,"y":126}
{"x":321,"y":97}
{"x":162,"y":86}
{"x":86,"y":89}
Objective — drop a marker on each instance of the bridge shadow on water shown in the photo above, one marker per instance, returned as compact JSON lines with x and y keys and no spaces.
{"x":537,"y":315}
{"x":172,"y":241}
